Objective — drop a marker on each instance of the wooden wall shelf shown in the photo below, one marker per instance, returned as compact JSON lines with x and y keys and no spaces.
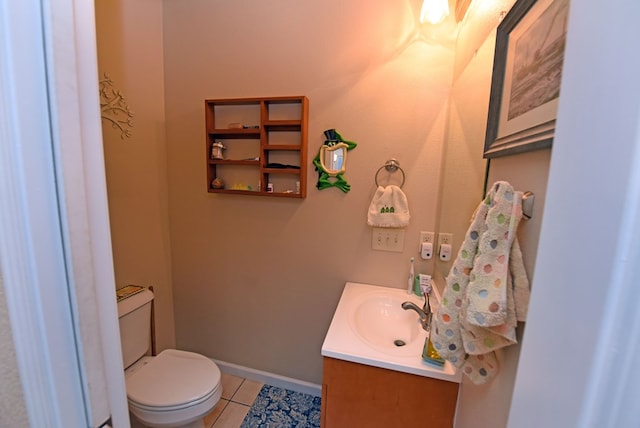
{"x":257,"y":134}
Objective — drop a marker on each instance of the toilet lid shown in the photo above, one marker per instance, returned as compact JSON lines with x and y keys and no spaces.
{"x":172,"y":379}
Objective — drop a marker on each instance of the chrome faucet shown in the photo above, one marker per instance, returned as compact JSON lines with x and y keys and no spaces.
{"x":424,"y":313}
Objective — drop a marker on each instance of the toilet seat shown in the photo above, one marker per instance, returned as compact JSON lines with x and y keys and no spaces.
{"x":170,"y":408}
{"x":173,"y":380}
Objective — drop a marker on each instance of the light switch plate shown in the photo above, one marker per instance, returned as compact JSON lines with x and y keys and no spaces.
{"x":387,"y":239}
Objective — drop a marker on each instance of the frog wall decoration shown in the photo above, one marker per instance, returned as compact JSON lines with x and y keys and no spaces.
{"x":331,"y":161}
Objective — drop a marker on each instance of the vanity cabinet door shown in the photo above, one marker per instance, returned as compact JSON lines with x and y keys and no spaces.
{"x":357,"y":395}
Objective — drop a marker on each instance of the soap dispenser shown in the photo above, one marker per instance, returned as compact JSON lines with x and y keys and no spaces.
{"x":429,"y":353}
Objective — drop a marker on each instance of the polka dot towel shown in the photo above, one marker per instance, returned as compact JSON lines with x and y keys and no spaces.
{"x":487,"y":290}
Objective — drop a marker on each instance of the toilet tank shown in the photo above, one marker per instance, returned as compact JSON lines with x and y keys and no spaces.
{"x":134,"y":315}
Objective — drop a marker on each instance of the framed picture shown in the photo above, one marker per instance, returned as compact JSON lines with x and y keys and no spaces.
{"x":527,"y":70}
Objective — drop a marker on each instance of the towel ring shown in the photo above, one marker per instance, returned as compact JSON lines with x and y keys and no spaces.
{"x":391,"y":166}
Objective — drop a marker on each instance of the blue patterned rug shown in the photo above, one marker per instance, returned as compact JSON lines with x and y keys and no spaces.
{"x":281,"y":408}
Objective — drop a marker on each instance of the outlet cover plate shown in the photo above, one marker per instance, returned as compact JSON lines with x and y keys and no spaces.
{"x":387,"y":239}
{"x":427,"y":237}
{"x":445,"y":238}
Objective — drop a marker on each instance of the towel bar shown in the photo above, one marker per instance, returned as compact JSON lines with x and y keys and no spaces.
{"x":390,"y":166}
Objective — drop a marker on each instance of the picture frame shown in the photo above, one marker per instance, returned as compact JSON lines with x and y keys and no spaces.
{"x":525,"y":84}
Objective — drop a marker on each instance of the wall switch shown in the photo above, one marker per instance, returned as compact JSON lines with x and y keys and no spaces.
{"x":387,"y":239}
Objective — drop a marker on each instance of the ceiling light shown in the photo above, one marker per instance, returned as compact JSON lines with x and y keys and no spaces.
{"x":434,"y":11}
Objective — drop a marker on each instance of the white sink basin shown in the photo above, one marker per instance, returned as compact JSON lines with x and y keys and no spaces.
{"x":368,"y":321}
{"x":382,"y":323}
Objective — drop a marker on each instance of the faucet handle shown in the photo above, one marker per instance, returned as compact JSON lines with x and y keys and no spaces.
{"x":425,"y":287}
{"x":427,"y":305}
{"x":427,"y":311}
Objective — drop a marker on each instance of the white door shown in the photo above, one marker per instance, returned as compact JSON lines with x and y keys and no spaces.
{"x":579,"y":364}
{"x":55,"y":249}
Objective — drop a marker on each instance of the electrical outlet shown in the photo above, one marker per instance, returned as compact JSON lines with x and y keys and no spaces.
{"x":445,"y":238}
{"x":425,"y":247}
{"x":445,"y":246}
{"x":387,"y":239}
{"x":427,"y":237}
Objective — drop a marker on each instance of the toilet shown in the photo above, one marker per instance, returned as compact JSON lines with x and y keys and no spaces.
{"x":173,"y":389}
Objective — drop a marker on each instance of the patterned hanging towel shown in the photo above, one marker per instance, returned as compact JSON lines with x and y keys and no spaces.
{"x":487,"y":289}
{"x":388,"y":208}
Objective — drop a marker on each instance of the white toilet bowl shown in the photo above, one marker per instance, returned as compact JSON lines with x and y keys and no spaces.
{"x":173,"y":389}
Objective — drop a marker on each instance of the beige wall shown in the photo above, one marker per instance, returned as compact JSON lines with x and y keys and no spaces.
{"x":462,"y":187}
{"x":256,"y":280}
{"x":13,"y":412}
{"x":129,"y":37}
{"x":463,"y":168}
{"x":488,"y":405}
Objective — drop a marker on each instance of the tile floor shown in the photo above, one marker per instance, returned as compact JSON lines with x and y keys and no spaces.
{"x":238,"y":394}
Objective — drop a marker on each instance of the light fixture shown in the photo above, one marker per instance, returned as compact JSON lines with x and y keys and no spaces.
{"x":434,"y":11}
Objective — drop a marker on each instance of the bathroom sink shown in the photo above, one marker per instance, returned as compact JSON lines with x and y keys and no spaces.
{"x":367,"y":325}
{"x":380,"y":321}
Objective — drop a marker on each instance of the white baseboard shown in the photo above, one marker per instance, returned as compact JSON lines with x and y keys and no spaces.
{"x":270,"y":378}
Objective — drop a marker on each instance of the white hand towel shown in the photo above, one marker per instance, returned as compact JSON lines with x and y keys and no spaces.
{"x":388,"y":208}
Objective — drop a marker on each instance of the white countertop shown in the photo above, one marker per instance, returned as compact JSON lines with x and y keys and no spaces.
{"x":342,"y":341}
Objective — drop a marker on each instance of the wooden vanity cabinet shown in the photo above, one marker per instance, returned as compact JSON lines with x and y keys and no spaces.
{"x":357,"y":395}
